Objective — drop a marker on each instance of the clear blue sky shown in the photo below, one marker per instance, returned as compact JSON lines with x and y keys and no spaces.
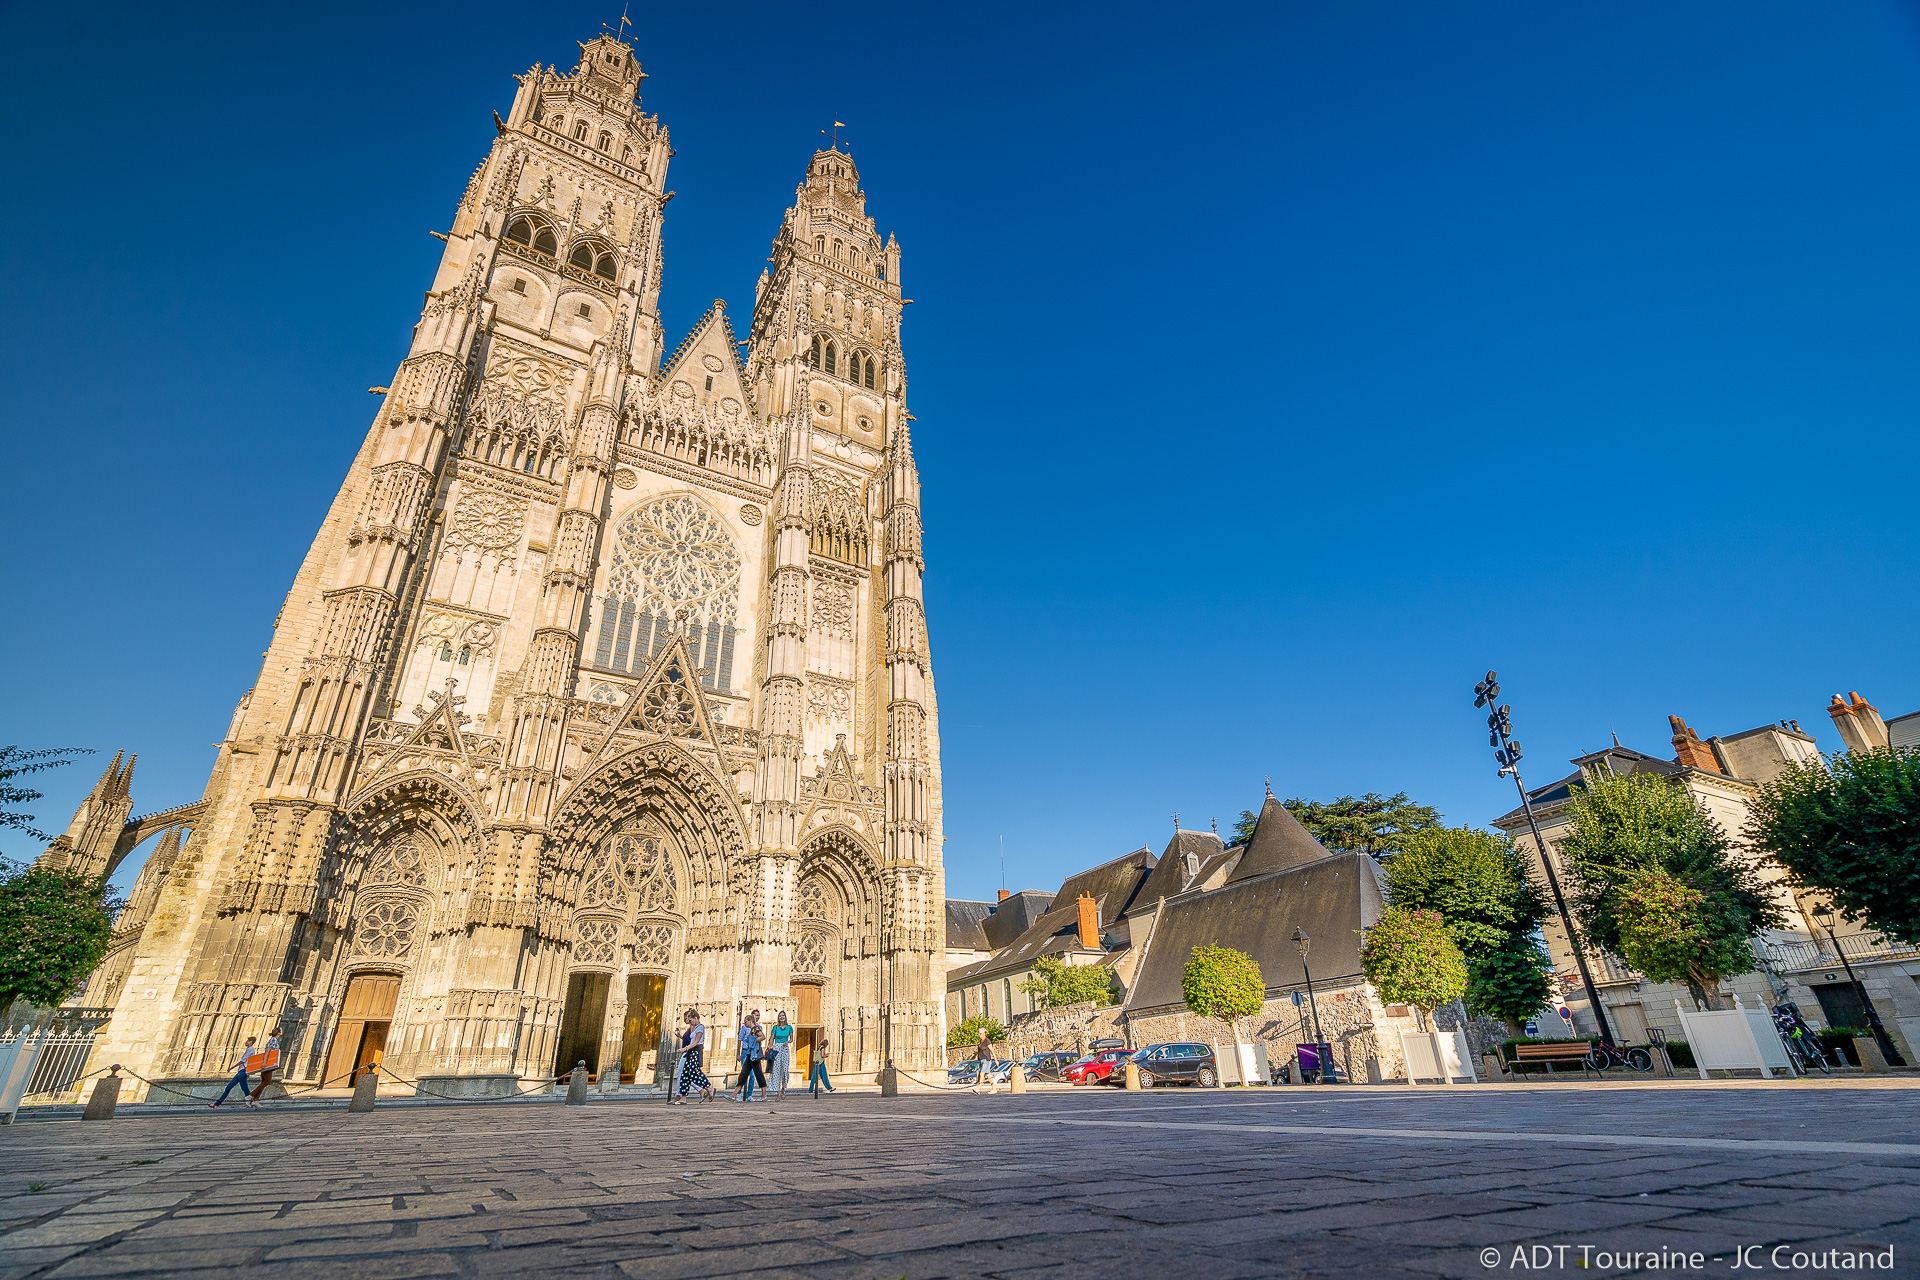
{"x":1279,"y":369}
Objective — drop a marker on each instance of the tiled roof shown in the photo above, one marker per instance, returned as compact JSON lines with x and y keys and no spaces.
{"x":1117,"y":881}
{"x":963,"y":924}
{"x":1169,"y":877}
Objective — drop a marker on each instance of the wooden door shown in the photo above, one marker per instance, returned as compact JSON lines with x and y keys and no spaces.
{"x":1629,"y":1023}
{"x":646,"y":993}
{"x":368,"y":1003}
{"x":583,"y":1023}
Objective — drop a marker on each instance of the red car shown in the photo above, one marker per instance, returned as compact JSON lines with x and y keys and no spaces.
{"x":1095,"y":1067}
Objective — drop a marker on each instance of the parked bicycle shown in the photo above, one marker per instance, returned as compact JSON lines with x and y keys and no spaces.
{"x":1803,"y":1046}
{"x":1601,"y":1055}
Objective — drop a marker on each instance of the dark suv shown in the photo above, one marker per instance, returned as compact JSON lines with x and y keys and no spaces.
{"x":1178,"y":1062}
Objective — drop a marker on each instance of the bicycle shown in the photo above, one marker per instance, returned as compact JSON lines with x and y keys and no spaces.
{"x":1802,"y":1045}
{"x":1601,"y":1055}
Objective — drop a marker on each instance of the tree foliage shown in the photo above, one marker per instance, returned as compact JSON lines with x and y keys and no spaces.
{"x":1478,"y":882}
{"x":1511,"y":983}
{"x":1062,"y":984}
{"x":16,"y":762}
{"x":1850,"y":829}
{"x":968,"y":1032}
{"x":1410,"y":958}
{"x":1372,"y":823}
{"x":54,"y":928}
{"x":1629,"y":836}
{"x":1222,"y":983}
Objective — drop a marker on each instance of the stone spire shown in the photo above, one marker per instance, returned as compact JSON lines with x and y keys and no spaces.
{"x":88,"y":842}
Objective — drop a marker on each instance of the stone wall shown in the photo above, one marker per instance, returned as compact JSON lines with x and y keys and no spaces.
{"x":1068,"y":1028}
{"x":1351,"y":1018}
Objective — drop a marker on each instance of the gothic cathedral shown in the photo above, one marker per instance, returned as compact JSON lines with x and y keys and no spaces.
{"x":603,"y":692}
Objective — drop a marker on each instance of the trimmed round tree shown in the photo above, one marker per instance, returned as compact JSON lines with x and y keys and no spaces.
{"x":1225,"y":984}
{"x":1410,"y":958}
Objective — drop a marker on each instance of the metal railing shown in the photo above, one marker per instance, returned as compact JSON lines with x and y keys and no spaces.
{"x":1817,"y":953}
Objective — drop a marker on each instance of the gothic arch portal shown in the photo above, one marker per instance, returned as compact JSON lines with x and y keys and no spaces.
{"x":839,"y":915}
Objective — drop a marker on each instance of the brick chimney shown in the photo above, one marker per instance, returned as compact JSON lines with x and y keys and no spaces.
{"x":1004,"y":895}
{"x":1089,"y":923}
{"x":1689,"y":750}
{"x":1859,"y":723}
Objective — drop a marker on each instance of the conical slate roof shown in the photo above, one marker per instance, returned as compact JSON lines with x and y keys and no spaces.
{"x":1279,"y":843}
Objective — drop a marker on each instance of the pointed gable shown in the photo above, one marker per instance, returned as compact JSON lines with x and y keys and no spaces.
{"x":668,"y":702}
{"x":703,"y":373}
{"x":1279,"y":842}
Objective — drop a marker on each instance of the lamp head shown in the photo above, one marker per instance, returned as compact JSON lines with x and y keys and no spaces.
{"x":1823,"y":916}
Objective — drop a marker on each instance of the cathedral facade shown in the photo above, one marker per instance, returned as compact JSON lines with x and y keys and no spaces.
{"x":603,"y":691}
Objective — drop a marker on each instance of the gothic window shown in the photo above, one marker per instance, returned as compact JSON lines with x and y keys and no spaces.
{"x":626,"y":153}
{"x":813,"y":356}
{"x":399,"y":862}
{"x":533,"y":231}
{"x":837,"y":248}
{"x":654,"y":872}
{"x":829,"y":364}
{"x":603,"y":266}
{"x":466,"y":651}
{"x":819,"y":244}
{"x":580,"y":130}
{"x":671,"y":555}
{"x":446,"y":652}
{"x":653,"y":946}
{"x":594,"y":940}
{"x":610,"y":876}
{"x":385,"y":929}
{"x":606,"y":141}
{"x":813,"y":899}
{"x":810,"y":956}
{"x":596,"y":258}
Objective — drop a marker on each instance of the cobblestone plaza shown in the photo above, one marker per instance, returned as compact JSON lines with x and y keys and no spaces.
{"x":1382,"y":1182}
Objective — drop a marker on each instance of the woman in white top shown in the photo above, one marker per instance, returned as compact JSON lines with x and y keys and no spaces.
{"x":692,"y":1047}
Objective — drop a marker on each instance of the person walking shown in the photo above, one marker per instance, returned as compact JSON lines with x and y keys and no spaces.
{"x":750,"y":1054}
{"x":239,"y":1077}
{"x":692,"y":1046}
{"x":780,"y":1055}
{"x":983,"y":1061}
{"x":817,"y":1078}
{"x":271,"y":1054}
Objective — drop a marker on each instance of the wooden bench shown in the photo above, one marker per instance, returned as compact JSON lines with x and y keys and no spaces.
{"x":1548,"y":1054}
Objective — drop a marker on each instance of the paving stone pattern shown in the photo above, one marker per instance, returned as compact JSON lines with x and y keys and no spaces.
{"x":1095,"y":1182}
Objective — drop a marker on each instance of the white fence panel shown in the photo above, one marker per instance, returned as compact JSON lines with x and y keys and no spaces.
{"x":1733,"y":1039}
{"x":1417,"y":1047}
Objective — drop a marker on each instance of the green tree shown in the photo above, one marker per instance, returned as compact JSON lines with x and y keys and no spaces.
{"x":1222,"y":983}
{"x":968,"y":1032}
{"x":16,"y":762}
{"x":1411,"y":958}
{"x":1628,"y":836}
{"x":1372,"y":823}
{"x":54,"y":928}
{"x":1063,"y":984}
{"x":1849,"y":828}
{"x":1479,"y":885}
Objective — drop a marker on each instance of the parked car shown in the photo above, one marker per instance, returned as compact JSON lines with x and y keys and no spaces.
{"x":1048,"y":1066}
{"x":970,"y":1072}
{"x":1176,"y":1062}
{"x":964,"y":1072}
{"x":1095,"y":1067}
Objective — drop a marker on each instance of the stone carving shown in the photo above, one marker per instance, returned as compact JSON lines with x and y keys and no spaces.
{"x":810,"y":956}
{"x":625,"y":478}
{"x":398,"y":863}
{"x":653,"y":945}
{"x":675,"y":554}
{"x":385,"y":929}
{"x":593,"y":941}
{"x":828,"y":698}
{"x":833,"y":611}
{"x":458,"y":638}
{"x":714,"y":363}
{"x":749,"y":514}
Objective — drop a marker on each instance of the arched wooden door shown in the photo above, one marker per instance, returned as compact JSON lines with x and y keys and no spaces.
{"x":366,"y":1013}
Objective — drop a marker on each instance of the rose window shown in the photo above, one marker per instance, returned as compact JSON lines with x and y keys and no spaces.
{"x":386,"y":929}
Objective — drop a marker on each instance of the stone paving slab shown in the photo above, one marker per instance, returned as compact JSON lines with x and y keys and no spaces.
{"x":1399,"y":1184}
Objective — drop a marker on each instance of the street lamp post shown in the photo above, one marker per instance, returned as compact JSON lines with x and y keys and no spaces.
{"x":1302,"y":941}
{"x":1825,"y":918}
{"x":1499,"y":726}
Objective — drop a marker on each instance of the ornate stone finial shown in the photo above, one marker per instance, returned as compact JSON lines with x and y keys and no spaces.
{"x":1176,"y":822}
{"x":1216,"y":826}
{"x":1269,"y":788}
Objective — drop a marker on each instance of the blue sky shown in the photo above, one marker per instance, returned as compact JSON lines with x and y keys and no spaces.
{"x":1278,"y":369}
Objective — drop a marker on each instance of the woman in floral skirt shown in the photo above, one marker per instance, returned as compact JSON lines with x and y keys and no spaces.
{"x":692,"y":1044}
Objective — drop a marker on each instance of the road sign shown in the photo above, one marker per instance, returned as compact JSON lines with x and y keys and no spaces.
{"x":1566,"y":1015}
{"x":1533,"y":1027}
{"x":1297,"y":1001}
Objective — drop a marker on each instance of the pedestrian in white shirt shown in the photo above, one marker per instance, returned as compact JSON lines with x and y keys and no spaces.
{"x":239,"y":1076}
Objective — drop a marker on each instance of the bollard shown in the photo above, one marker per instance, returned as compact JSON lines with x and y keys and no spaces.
{"x":1867,"y":1049}
{"x":889,"y":1081}
{"x":106,"y":1096}
{"x":1017,"y":1081}
{"x":364,"y":1090}
{"x":1133,"y":1074}
{"x":1490,"y":1065}
{"x":1373,"y":1071}
{"x":577,"y":1085}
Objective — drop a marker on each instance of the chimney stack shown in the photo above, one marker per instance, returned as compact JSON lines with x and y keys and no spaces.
{"x":1689,"y":750}
{"x":1859,"y":723}
{"x":1004,"y":895}
{"x":1089,"y":923}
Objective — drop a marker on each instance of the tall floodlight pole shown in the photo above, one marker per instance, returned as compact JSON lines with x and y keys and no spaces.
{"x":1499,"y":727}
